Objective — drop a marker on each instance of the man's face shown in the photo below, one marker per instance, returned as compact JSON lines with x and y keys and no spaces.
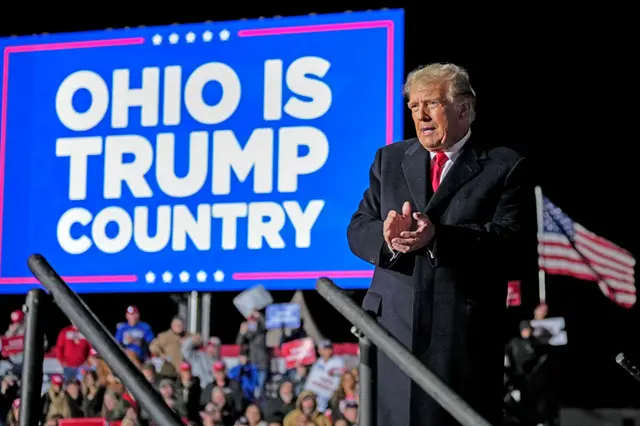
{"x":439,"y":124}
{"x":525,"y":333}
{"x":132,"y":318}
{"x":177,"y":326}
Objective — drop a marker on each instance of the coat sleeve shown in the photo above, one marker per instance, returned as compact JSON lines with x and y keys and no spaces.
{"x":502,"y":241}
{"x":364,"y":232}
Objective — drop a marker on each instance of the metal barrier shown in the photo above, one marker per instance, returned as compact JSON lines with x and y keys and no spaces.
{"x":408,"y":363}
{"x":95,"y":332}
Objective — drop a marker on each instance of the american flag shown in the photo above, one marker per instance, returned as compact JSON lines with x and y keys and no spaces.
{"x":567,"y":248}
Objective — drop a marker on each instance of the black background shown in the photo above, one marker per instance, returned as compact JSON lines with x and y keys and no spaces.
{"x":558,"y":83}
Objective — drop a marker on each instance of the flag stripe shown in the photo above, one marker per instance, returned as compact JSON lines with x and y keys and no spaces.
{"x":567,"y":248}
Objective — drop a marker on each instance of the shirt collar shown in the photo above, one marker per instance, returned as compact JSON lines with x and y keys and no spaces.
{"x":454,"y":151}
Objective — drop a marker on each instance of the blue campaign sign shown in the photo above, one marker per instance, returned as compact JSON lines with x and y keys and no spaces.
{"x":282,"y":315}
{"x":208,"y":157}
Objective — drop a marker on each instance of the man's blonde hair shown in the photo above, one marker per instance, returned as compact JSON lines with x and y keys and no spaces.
{"x":459,"y":88}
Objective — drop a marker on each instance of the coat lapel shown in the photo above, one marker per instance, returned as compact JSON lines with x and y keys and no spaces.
{"x":465,"y":167}
{"x":416,"y":170}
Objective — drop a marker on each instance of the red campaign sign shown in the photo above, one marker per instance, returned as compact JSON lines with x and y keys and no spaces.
{"x":301,"y":351}
{"x":12,"y":345}
{"x":514,"y":297}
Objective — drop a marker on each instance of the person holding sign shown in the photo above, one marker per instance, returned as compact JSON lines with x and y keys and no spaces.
{"x":443,"y":219}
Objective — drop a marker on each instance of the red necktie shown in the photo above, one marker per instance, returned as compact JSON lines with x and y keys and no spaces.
{"x":437,"y":166}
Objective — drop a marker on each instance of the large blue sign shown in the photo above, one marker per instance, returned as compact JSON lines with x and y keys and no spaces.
{"x":207,"y":157}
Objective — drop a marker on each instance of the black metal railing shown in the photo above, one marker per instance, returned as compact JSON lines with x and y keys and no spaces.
{"x":94,"y":331}
{"x":370,"y":334}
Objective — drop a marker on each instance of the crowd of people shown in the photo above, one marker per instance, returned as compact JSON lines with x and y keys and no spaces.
{"x":190,"y":375}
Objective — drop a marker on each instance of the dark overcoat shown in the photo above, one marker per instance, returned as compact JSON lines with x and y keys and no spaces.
{"x":446,"y":303}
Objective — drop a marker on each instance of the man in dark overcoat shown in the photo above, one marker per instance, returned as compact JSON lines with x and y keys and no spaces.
{"x":446,"y":220}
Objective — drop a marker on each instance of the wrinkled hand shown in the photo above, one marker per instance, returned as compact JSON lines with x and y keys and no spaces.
{"x":396,"y":223}
{"x":409,"y":241}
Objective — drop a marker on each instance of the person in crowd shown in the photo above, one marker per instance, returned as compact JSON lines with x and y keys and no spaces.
{"x":114,"y":408}
{"x":221,"y":402}
{"x":167,"y":346}
{"x":542,"y":334}
{"x":289,"y":335}
{"x":149,"y":372}
{"x":230,"y":388}
{"x":201,"y":360}
{"x":55,"y":400}
{"x":188,"y":392}
{"x":167,"y":390}
{"x":247,"y":375}
{"x":54,"y":420}
{"x":306,"y":411}
{"x":134,"y":335}
{"x":16,"y":329}
{"x":330,"y":364}
{"x":74,"y":397}
{"x":345,"y":392}
{"x":277,"y":408}
{"x":212,"y":416}
{"x":13,"y":417}
{"x":298,"y":377}
{"x":9,"y":391}
{"x":92,"y":394}
{"x":72,"y":350}
{"x":254,"y":416}
{"x":253,"y":334}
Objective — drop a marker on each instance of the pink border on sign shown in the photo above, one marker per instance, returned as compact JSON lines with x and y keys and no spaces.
{"x":88,"y":44}
{"x":303,"y":29}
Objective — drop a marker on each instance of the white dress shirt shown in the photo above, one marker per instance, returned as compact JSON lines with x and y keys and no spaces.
{"x":452,"y":153}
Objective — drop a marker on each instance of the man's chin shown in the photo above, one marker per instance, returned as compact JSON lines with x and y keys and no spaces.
{"x":431,"y":144}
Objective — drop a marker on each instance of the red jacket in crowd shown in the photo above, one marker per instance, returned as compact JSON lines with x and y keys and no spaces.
{"x":72,"y":347}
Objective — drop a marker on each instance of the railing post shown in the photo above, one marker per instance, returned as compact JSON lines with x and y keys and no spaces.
{"x":366,"y":372}
{"x":31,"y":387}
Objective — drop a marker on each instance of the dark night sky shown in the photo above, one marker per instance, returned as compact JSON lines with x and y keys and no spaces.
{"x":559,"y":86}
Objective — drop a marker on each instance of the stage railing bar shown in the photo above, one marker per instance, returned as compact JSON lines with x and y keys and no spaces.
{"x":431,"y":384}
{"x":32,"y":364}
{"x":96,"y":333}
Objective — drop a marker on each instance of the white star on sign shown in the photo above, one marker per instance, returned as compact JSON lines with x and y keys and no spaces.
{"x":184,"y":276}
{"x":156,"y":39}
{"x":167,"y":277}
{"x":224,"y":35}
{"x":207,"y":36}
{"x":201,"y":276}
{"x":191,"y":37}
{"x":218,"y":276}
{"x":173,"y":38}
{"x":150,"y":277}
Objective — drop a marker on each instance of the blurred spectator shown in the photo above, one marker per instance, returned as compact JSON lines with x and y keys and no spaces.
{"x":247,"y":375}
{"x":92,"y":394}
{"x":167,"y":346}
{"x":201,"y":360}
{"x":113,"y":408}
{"x":289,"y":335}
{"x":299,"y":377}
{"x":149,"y":372}
{"x":74,"y":397}
{"x":55,"y":400}
{"x":189,"y":392}
{"x":254,"y":416}
{"x":306,"y":411}
{"x":345,"y":392}
{"x":231,"y":389}
{"x":9,"y":391}
{"x":220,"y":402}
{"x":277,"y":408}
{"x":17,"y":328}
{"x":72,"y":350}
{"x":14,"y":414}
{"x":134,"y":335}
{"x":167,"y":390}
{"x":542,"y":334}
{"x":253,"y":334}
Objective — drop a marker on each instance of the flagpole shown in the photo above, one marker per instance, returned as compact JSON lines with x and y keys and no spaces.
{"x":542,"y":290}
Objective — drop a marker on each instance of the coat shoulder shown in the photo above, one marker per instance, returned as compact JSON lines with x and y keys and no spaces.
{"x":504,"y":155}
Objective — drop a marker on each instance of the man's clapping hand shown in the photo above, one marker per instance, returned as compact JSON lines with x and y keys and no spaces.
{"x":398,"y":234}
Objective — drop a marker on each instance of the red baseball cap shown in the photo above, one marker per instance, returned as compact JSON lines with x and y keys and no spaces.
{"x":218,"y":366}
{"x":213,"y":341}
{"x":17,"y":316}
{"x":16,"y":403}
{"x":93,"y":352}
{"x":56,"y":379}
{"x":133,"y":310}
{"x":185,"y":366}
